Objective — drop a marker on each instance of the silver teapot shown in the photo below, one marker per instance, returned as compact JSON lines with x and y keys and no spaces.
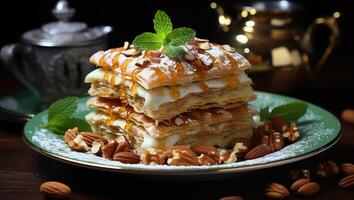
{"x":52,"y":61}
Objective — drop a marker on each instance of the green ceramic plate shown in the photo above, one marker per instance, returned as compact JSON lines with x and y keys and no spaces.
{"x":319,"y":131}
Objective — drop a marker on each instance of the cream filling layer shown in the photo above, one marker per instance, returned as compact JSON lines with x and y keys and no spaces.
{"x":155,"y":97}
{"x":148,"y":142}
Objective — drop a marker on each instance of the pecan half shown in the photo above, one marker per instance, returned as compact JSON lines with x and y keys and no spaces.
{"x":297,"y":184}
{"x":109,"y":149}
{"x":327,"y":169}
{"x":261,"y":131}
{"x":122,"y":145}
{"x":279,"y":124}
{"x":204,"y":159}
{"x":89,"y":137}
{"x":293,"y":134}
{"x":78,"y":144}
{"x":181,"y":156}
{"x":127,"y":157}
{"x":71,"y":134}
{"x":347,"y":168}
{"x":276,"y":191}
{"x":309,"y":189}
{"x":258,"y":151}
{"x":210,"y":151}
{"x":347,"y":182}
{"x":153,"y":157}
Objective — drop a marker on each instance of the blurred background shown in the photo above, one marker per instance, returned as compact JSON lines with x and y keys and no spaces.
{"x":223,"y":22}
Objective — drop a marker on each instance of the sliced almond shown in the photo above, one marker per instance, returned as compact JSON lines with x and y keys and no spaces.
{"x":200,"y":39}
{"x":205,"y":46}
{"x":143,"y":62}
{"x":228,"y":48}
{"x":131,"y":52}
{"x":126,"y":45}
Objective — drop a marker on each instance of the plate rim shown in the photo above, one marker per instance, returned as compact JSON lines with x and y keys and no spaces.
{"x":192,"y":171}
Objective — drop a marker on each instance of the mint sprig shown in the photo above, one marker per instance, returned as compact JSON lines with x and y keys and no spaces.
{"x":290,"y":111}
{"x":162,"y":23}
{"x":151,"y":41}
{"x":166,"y":37}
{"x":61,"y":116}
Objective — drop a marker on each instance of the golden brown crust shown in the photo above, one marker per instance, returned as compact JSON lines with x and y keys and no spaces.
{"x":160,"y":70}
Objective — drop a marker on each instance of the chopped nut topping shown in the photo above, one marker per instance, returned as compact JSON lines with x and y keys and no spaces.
{"x":205,"y":46}
{"x":143,"y":62}
{"x":126,"y":45}
{"x":228,"y":48}
{"x":131,"y":52}
{"x":200,"y":40}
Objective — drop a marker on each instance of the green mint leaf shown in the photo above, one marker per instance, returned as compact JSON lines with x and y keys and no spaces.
{"x":179,"y":36}
{"x":62,"y":108}
{"x":264,"y":113}
{"x":173,"y":52}
{"x":290,"y":111}
{"x":151,"y":41}
{"x":162,"y":23}
{"x":61,"y":116}
{"x":65,"y":124}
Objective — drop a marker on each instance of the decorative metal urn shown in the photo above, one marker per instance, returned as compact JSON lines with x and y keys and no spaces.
{"x":53,"y":61}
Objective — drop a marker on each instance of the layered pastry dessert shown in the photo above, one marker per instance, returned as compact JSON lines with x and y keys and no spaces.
{"x":156,"y":101}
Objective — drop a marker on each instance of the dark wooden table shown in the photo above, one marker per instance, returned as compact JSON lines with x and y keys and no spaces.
{"x":22,"y":170}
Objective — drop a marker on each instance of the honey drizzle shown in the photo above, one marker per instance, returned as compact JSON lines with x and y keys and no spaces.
{"x":233,"y":62}
{"x":174,"y":92}
{"x":135,"y":85}
{"x":232,"y":81}
{"x":123,"y":68}
{"x":204,"y":87}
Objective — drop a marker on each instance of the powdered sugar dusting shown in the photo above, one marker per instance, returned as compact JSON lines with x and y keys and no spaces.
{"x":312,"y":129}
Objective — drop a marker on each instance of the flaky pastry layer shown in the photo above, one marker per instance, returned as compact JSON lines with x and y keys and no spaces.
{"x":153,"y":69}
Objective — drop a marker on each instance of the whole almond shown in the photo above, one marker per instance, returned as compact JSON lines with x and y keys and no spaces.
{"x":297,"y":184}
{"x":309,"y":189}
{"x":55,"y":189}
{"x":347,"y":182}
{"x":258,"y":151}
{"x":348,"y":115}
{"x":127,"y":157}
{"x":276,"y":191}
{"x":231,"y":198}
{"x":347,"y":168}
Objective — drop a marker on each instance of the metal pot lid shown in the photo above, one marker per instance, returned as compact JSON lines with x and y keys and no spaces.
{"x":63,"y":32}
